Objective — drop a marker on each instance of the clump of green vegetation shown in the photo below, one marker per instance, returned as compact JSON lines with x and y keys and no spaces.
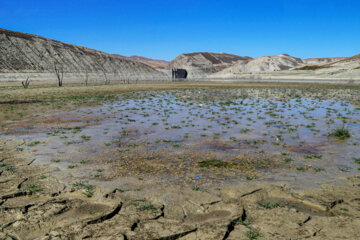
{"x":76,"y":130}
{"x":71,"y":166}
{"x":268,"y":205}
{"x":215,"y":163}
{"x":311,"y":156}
{"x":245,"y":223}
{"x":5,"y":167}
{"x":34,"y":143}
{"x":341,"y":133}
{"x":301,"y":169}
{"x":345,"y":169}
{"x":197,"y":188}
{"x":318,"y":169}
{"x":312,"y":67}
{"x":253,"y":233}
{"x":33,"y":188}
{"x":148,"y":207}
{"x":86,"y":138}
{"x":357,"y":160}
{"x":91,"y":212}
{"x":249,"y":178}
{"x":89,"y":188}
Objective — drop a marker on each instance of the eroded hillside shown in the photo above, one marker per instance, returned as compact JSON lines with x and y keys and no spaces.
{"x":22,"y":53}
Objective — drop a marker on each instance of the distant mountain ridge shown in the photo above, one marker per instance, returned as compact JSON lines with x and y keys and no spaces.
{"x":155,"y":63}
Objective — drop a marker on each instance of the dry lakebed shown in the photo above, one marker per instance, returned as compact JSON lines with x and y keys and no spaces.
{"x":178,"y":162}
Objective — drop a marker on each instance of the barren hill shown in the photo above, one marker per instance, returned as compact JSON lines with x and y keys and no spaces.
{"x":36,"y":56}
{"x":201,"y":64}
{"x":261,"y":64}
{"x":155,"y":63}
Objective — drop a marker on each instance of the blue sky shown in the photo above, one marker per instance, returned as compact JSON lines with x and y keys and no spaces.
{"x":163,"y":29}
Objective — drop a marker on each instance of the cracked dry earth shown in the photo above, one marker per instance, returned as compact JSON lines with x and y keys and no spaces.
{"x":36,"y":207}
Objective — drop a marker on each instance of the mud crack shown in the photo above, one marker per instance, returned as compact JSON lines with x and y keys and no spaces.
{"x":232,"y":224}
{"x":14,"y":195}
{"x":305,"y":221}
{"x":21,"y":183}
{"x":334,"y":203}
{"x":162,"y":214}
{"x":107,"y":216}
{"x":176,"y":236}
{"x":252,"y":192}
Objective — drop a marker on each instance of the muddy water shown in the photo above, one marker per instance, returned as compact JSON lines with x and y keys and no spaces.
{"x":179,"y":136}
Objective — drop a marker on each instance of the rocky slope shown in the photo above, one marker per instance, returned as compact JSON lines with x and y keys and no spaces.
{"x":201,"y":64}
{"x":155,"y":63}
{"x":261,"y":64}
{"x":36,"y":56}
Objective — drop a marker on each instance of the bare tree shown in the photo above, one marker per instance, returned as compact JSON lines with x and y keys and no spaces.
{"x":126,"y":78}
{"x":26,"y":83}
{"x":116,"y":76}
{"x":107,"y":81}
{"x":59,"y":71}
{"x":102,"y":68}
{"x":86,"y":77}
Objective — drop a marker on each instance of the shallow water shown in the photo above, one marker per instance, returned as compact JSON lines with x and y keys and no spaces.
{"x":167,"y":135}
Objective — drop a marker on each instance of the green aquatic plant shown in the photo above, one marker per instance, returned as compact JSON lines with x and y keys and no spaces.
{"x":319,"y":169}
{"x":341,"y":133}
{"x":86,"y":138}
{"x":34,"y":143}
